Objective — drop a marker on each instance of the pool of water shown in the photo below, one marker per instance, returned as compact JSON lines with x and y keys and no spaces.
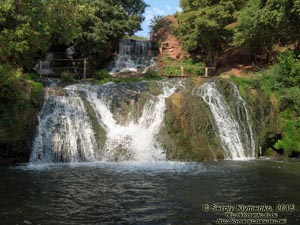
{"x":145,"y":193}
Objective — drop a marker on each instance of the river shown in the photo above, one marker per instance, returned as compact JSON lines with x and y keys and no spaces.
{"x":144,"y":192}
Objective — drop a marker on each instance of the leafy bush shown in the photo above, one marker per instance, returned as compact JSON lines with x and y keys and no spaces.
{"x":10,"y":84}
{"x":156,"y":23}
{"x":17,"y":96}
{"x":67,"y":76}
{"x":290,"y":142}
{"x":36,"y":89}
{"x":102,"y":74}
{"x":288,"y":70}
{"x":151,"y":74}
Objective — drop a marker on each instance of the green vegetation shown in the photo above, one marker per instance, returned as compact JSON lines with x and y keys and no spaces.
{"x":30,"y":27}
{"x":149,"y":75}
{"x":261,"y":24}
{"x":280,"y":84}
{"x":209,"y":27}
{"x":156,"y":23}
{"x":18,"y":96}
{"x":137,"y":38}
{"x":101,"y":75}
{"x":204,"y":25}
{"x":67,"y":76}
{"x":244,"y":84}
{"x":172,"y":67}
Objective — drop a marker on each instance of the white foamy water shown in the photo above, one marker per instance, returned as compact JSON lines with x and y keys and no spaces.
{"x":136,"y":139}
{"x":65,"y":132}
{"x":237,"y":142}
{"x":133,"y":55}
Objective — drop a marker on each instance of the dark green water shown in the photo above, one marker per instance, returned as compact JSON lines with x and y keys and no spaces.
{"x":139,"y":193}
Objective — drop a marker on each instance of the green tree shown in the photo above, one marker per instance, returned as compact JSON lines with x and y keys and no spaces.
{"x":23,"y":31}
{"x":156,"y":23}
{"x":263,"y":23}
{"x":29,"y":27}
{"x":203,"y":25}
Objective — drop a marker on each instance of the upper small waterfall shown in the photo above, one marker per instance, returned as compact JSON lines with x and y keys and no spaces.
{"x":133,"y":55}
{"x":232,"y":121}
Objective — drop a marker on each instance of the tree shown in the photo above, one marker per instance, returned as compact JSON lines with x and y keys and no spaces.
{"x":30,"y":27}
{"x":263,"y":23}
{"x":156,"y":23}
{"x":203,"y":25}
{"x":22,"y":31}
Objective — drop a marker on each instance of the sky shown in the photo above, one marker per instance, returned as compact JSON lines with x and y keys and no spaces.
{"x":157,"y":7}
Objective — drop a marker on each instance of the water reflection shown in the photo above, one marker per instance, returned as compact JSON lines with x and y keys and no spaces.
{"x":142,"y":193}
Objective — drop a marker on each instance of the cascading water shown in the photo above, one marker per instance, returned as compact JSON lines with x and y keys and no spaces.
{"x":133,"y":55}
{"x":65,"y":131}
{"x":135,"y":139}
{"x":234,"y":131}
{"x":127,"y":122}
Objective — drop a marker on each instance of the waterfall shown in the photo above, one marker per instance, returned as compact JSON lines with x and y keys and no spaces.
{"x":128,"y":122}
{"x":234,"y":129}
{"x":65,"y":131}
{"x":137,"y":139}
{"x":133,"y":55}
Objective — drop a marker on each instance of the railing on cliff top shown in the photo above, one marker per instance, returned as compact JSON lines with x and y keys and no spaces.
{"x":50,"y":67}
{"x":183,"y":71}
{"x":79,"y":68}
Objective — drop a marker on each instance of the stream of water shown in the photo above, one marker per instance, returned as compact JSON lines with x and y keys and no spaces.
{"x":143,"y":193}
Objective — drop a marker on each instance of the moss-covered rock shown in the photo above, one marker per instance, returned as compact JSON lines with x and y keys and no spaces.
{"x":264,"y":109}
{"x":18,"y":119}
{"x":188,"y":133}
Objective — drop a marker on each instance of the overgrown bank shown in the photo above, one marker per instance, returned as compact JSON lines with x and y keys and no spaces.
{"x":274,"y":98}
{"x":20,"y":101}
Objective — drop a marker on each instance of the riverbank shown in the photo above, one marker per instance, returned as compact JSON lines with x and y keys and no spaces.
{"x":21,"y":99}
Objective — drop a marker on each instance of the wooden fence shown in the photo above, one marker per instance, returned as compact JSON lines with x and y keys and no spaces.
{"x":78,"y":67}
{"x":182,"y":71}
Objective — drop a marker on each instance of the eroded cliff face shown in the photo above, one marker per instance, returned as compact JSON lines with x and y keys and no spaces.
{"x":168,"y":43}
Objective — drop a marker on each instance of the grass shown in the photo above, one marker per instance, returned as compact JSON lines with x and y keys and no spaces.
{"x":149,"y":75}
{"x":171,"y":67}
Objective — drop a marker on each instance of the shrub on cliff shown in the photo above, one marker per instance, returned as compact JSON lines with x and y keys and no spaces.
{"x":101,"y":75}
{"x":17,"y":96}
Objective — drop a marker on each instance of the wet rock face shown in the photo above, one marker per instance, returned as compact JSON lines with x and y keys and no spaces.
{"x":127,"y":100}
{"x":264,"y":111}
{"x":188,"y":133}
{"x":16,"y":147}
{"x":183,"y":128}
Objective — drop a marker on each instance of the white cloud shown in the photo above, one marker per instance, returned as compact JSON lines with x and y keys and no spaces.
{"x":150,"y":13}
{"x":178,"y":9}
{"x":158,"y":11}
{"x":168,"y":8}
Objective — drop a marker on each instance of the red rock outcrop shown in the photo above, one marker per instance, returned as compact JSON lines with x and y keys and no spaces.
{"x":168,"y":43}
